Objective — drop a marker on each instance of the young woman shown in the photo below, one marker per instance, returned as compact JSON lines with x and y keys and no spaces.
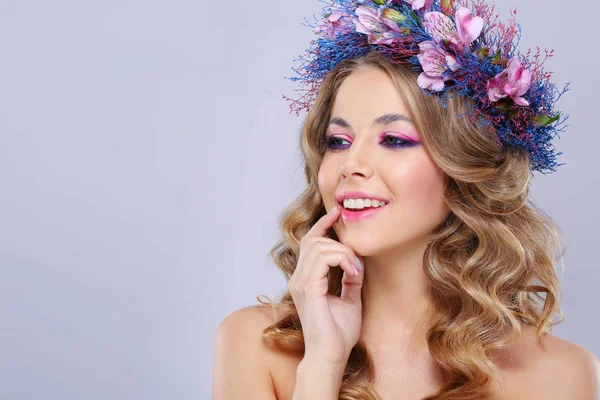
{"x":417,"y":266}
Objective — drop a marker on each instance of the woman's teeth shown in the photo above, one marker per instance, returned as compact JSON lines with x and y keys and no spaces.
{"x":359,"y":204}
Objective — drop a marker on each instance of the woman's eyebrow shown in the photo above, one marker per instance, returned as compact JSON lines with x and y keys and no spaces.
{"x":340,"y":122}
{"x":382,"y":120}
{"x":389,"y":118}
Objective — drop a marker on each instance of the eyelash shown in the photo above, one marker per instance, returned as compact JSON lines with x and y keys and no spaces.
{"x":330,"y":139}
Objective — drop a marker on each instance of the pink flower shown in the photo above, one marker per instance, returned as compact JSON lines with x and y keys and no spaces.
{"x":460,"y":34}
{"x":514,"y":81}
{"x":332,"y":24}
{"x":418,"y":4}
{"x":435,"y":62}
{"x":379,"y":30}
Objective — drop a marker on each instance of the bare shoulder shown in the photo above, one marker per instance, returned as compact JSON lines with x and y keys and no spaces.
{"x":241,"y":360}
{"x":253,"y":319}
{"x":557,"y":370}
{"x":570,"y":369}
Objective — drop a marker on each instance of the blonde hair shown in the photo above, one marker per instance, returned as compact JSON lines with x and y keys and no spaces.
{"x":490,"y":264}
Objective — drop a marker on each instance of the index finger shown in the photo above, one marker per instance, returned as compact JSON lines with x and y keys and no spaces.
{"x":325,"y":222}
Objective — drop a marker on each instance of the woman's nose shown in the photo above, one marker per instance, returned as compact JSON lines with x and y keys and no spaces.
{"x":356,"y":166}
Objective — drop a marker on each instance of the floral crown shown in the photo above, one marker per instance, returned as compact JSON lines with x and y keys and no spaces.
{"x":455,"y":44}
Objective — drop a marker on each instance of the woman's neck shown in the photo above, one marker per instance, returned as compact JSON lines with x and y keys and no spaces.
{"x":396,"y":297}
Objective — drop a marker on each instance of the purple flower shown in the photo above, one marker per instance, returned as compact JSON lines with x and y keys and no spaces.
{"x":332,"y":24}
{"x":418,"y":4}
{"x":436,"y":62}
{"x":379,"y":30}
{"x":460,"y":34}
{"x":514,"y":81}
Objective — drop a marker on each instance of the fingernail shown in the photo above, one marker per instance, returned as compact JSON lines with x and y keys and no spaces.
{"x":360,"y":266}
{"x":332,"y":210}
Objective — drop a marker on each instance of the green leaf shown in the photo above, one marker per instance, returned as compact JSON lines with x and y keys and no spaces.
{"x":379,"y":2}
{"x":497,"y":56}
{"x":416,"y":18}
{"x":504,"y":105}
{"x":483,"y":52}
{"x":544,"y":119}
{"x":498,"y":59}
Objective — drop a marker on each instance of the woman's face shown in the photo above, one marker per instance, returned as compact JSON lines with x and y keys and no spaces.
{"x":373,"y":147}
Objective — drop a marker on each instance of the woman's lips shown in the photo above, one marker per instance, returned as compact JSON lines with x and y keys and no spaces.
{"x":357,"y":216}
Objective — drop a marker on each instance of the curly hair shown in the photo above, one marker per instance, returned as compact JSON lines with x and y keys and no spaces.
{"x":490,"y":265}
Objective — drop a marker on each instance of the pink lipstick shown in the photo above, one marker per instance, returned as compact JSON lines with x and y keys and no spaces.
{"x":360,"y":215}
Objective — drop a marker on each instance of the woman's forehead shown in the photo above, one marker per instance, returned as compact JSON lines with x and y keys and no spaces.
{"x":367,"y":98}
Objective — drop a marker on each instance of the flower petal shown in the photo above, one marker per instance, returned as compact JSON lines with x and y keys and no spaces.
{"x":520,"y":101}
{"x":494,"y":94}
{"x":393,"y":25}
{"x":524,"y":82}
{"x":384,"y":38}
{"x":494,"y":89}
{"x":440,"y":27}
{"x":368,"y":18}
{"x":427,"y":45}
{"x":518,"y":77}
{"x":513,"y":67}
{"x":432,"y":65}
{"x":427,"y":82}
{"x":432,"y":60}
{"x":361,"y":28}
{"x":418,"y":4}
{"x":468,"y":26}
{"x":511,"y":88}
{"x":335,"y":16}
{"x":452,"y":62}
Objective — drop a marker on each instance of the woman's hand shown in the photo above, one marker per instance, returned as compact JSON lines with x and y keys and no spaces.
{"x":331,"y":325}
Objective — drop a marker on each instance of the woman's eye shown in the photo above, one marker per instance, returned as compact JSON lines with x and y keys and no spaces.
{"x":390,"y":141}
{"x":333,"y":142}
{"x":394,"y":141}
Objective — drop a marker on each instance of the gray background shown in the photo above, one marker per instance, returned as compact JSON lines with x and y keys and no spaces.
{"x":146,"y":155}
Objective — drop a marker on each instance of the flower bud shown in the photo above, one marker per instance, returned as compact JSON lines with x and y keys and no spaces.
{"x":447,"y":7}
{"x":391,"y":14}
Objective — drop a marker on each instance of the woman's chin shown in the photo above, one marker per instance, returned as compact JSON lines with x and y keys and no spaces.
{"x":362,"y":247}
